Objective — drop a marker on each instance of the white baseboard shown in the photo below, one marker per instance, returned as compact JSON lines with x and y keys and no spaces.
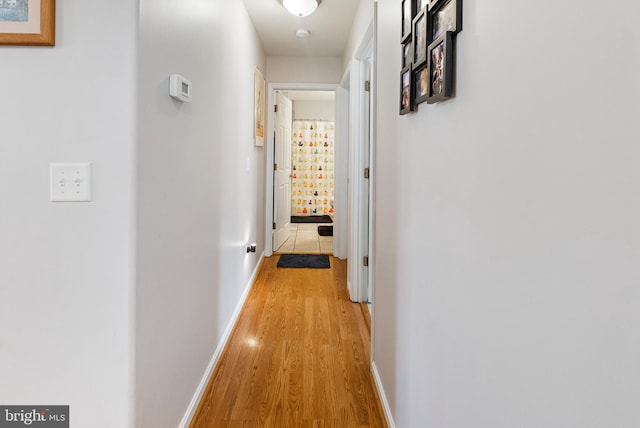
{"x":193,"y":405}
{"x":383,"y":396}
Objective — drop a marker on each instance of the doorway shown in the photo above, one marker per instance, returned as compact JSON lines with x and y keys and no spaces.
{"x":361,"y":85}
{"x":312,"y":175}
{"x":312,"y":168}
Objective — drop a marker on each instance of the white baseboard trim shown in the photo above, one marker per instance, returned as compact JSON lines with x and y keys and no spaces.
{"x":193,"y":405}
{"x":382,"y":395}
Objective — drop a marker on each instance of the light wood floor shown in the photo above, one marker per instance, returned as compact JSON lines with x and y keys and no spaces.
{"x":298,"y":357}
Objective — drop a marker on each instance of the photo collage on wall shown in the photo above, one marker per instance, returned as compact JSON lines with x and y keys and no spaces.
{"x":428,"y":33}
{"x":313,"y":171}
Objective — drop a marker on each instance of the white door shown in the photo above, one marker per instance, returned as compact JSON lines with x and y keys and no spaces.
{"x":282,"y":171}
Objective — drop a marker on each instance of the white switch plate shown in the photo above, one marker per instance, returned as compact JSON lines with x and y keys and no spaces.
{"x":70,"y":182}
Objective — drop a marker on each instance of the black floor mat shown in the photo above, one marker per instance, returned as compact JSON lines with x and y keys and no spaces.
{"x":317,"y":261}
{"x":311,"y":219}
{"x":325,"y":230}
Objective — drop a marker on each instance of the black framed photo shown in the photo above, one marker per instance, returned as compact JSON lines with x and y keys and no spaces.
{"x":420,"y":35}
{"x":440,"y":65}
{"x":406,"y":91}
{"x":407,"y":53}
{"x":408,"y":12}
{"x":421,"y":84}
{"x":446,"y":15}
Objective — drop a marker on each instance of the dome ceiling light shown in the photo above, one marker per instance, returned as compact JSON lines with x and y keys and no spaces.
{"x":301,"y":7}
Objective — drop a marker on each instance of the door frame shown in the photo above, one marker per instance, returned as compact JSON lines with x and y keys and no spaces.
{"x":269,"y":147}
{"x":361,"y":241}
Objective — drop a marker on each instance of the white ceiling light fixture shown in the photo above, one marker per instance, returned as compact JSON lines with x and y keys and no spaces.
{"x":301,"y":7}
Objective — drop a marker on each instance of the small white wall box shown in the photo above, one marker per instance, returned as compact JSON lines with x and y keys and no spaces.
{"x":180,"y":88}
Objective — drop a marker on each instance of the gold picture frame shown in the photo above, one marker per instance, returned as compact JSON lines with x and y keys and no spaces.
{"x":28,"y":22}
{"x":258,"y":107}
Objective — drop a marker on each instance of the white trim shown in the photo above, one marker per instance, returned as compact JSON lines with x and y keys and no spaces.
{"x":372,"y":195}
{"x":341,"y":187}
{"x":354,"y":259}
{"x":360,"y":149}
{"x":269,"y":145}
{"x":383,"y":397}
{"x":193,"y":405}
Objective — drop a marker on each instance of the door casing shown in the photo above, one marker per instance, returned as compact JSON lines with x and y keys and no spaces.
{"x":269,"y":158}
{"x":362,"y":155}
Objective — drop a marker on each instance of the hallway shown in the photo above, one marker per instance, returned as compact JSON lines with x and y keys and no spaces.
{"x":298,"y":357}
{"x":504,"y":232}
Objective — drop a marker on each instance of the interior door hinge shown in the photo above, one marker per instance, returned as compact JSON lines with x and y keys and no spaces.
{"x":365,"y":261}
{"x":274,"y":225}
{"x":275,"y":166}
{"x":367,"y":172}
{"x":367,"y":85}
{"x":275,"y":108}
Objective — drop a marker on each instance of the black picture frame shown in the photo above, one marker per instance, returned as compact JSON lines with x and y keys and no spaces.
{"x":407,"y":53}
{"x":420,"y":84}
{"x":422,"y":5}
{"x":445,"y":15}
{"x":408,"y":13}
{"x":420,"y":38}
{"x":440,"y":64}
{"x":406,"y":91}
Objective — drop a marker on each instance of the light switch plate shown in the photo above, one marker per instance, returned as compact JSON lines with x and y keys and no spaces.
{"x":70,"y":182}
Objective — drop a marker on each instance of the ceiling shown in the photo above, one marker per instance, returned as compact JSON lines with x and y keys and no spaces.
{"x":329,"y":26}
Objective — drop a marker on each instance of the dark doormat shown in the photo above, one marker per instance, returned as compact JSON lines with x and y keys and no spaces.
{"x":318,"y":261}
{"x":325,"y":230}
{"x":311,"y":219}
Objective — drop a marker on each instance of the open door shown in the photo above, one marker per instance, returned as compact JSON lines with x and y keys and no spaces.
{"x":282,"y":171}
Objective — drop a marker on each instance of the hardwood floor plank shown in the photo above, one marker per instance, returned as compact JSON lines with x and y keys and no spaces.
{"x":297,"y":357}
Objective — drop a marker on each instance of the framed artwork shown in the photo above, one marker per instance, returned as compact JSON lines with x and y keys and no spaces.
{"x":258,"y":107}
{"x":420,"y":34}
{"x":27,"y":22}
{"x":421,"y":79}
{"x":407,"y":52}
{"x":408,"y":12}
{"x":446,"y":15}
{"x":406,"y":91}
{"x":440,"y":65}
{"x":428,"y":32}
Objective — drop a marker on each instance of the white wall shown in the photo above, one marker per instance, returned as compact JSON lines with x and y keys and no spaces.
{"x":508,"y":223}
{"x":200,"y":195}
{"x":318,"y":110}
{"x":361,"y":22}
{"x":66,"y":268}
{"x":286,"y":69}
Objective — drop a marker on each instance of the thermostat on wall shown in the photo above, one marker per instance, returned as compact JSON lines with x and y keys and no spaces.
{"x":180,"y":88}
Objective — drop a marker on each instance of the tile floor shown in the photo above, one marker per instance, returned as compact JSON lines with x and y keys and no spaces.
{"x":304,"y":238}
